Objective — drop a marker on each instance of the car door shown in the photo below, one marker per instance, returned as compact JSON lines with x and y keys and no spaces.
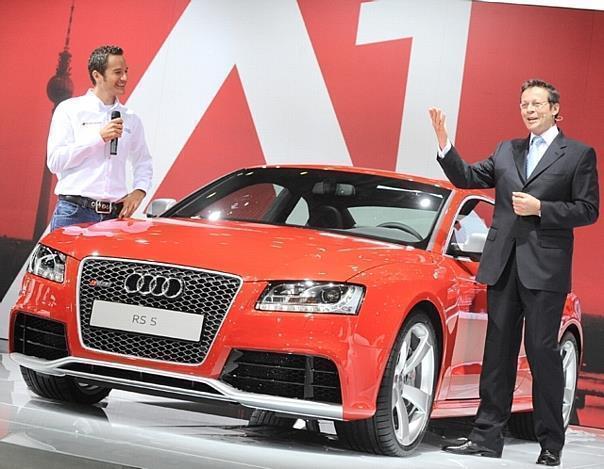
{"x":469,"y":229}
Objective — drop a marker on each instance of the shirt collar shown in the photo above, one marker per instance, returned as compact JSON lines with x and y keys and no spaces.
{"x":549,"y":135}
{"x":101,"y":105}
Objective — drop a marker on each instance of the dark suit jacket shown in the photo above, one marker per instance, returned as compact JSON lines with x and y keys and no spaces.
{"x":566,"y":183}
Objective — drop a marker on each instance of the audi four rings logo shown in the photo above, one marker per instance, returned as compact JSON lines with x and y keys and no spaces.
{"x":156,"y":285}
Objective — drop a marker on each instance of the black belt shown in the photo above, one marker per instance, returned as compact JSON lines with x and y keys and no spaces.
{"x":99,"y":206}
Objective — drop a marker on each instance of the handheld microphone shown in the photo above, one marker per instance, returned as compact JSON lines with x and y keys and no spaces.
{"x":113,"y":144}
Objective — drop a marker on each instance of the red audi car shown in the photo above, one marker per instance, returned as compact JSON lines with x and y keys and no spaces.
{"x":304,"y":292}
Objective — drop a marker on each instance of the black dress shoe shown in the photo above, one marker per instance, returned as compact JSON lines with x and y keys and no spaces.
{"x":468,"y":447}
{"x":549,"y":457}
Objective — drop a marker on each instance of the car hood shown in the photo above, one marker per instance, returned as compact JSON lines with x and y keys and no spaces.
{"x":251,"y":250}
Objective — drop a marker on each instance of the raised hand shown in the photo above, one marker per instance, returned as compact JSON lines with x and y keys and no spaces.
{"x":437,"y":116}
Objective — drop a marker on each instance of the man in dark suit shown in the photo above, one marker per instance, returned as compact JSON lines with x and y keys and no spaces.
{"x":545,"y":185}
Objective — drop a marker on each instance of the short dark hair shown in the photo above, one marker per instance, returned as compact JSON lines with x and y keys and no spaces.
{"x":98,"y":59}
{"x":553,"y":94}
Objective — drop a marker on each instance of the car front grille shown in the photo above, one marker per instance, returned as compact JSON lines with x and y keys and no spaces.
{"x":39,"y":337}
{"x":283,"y":374}
{"x":207,"y":293}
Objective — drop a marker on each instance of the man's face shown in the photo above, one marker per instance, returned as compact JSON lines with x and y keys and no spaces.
{"x":113,"y":82}
{"x":537,"y":112}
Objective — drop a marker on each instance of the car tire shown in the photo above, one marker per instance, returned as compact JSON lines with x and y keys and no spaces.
{"x":63,"y":388}
{"x":399,"y":423}
{"x":522,"y":424}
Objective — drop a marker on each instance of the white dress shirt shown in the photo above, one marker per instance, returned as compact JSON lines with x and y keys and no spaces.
{"x":548,"y":136}
{"x":80,"y":158}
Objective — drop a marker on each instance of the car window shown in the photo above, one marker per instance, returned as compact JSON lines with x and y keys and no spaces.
{"x":363,"y":204}
{"x":376,"y":216}
{"x":248,"y":203}
{"x":299,"y":215}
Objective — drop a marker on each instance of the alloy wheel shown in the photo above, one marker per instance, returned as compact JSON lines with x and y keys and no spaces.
{"x":568,"y":350}
{"x":413,"y":384}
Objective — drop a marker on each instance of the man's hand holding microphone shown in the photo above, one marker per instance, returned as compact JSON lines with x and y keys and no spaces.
{"x":112,"y":131}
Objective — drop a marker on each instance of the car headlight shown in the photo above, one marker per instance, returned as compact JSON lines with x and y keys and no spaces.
{"x":48,"y":263}
{"x":312,"y":297}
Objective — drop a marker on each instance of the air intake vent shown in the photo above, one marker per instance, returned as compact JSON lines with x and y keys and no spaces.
{"x":39,"y":337}
{"x":134,"y":377}
{"x":282,"y":374}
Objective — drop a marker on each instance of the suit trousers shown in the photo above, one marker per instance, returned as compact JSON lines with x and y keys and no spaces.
{"x":509,"y":302}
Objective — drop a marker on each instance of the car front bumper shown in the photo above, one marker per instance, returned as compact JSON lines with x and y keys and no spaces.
{"x":180,"y":385}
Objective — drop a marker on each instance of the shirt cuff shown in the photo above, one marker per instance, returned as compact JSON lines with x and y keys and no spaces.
{"x":441,"y":153}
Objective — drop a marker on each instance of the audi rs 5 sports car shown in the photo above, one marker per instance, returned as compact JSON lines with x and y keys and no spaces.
{"x":306,"y":292}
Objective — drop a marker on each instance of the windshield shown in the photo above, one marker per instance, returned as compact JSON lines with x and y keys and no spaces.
{"x":390,"y":209}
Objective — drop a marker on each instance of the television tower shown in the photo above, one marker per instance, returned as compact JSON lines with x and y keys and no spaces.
{"x":59,"y":88}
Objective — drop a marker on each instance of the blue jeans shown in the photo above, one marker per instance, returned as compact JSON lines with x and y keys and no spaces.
{"x":67,"y":213}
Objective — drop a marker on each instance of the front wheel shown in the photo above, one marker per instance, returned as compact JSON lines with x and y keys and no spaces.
{"x":63,"y":388}
{"x":405,"y":398}
{"x":522,"y":424}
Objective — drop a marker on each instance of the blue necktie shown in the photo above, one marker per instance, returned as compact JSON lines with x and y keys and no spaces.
{"x":533,"y":155}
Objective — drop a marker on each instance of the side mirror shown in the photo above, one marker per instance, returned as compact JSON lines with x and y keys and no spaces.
{"x":475,"y":243}
{"x":159,"y":206}
{"x":472,"y":248}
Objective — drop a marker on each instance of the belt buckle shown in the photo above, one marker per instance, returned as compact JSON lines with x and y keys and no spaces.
{"x":104,"y":208}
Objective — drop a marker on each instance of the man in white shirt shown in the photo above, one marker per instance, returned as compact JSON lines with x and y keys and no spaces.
{"x":91,"y":177}
{"x":545,"y":186}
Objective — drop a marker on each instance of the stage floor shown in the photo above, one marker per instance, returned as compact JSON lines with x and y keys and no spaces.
{"x":136,"y":431}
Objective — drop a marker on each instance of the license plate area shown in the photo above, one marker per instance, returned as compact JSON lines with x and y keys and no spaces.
{"x":146,"y":320}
